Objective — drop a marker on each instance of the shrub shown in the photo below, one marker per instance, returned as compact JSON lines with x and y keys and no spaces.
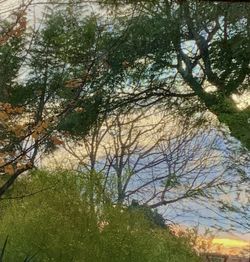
{"x":71,"y":219}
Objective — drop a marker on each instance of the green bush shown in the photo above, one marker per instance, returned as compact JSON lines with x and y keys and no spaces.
{"x":71,"y":219}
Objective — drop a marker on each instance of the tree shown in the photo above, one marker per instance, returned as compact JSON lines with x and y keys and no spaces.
{"x":47,"y":76}
{"x":11,"y":44}
{"x":78,"y":69}
{"x":186,"y":50}
{"x":151,"y":157}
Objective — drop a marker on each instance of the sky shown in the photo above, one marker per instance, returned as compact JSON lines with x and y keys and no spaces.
{"x":35,"y":12}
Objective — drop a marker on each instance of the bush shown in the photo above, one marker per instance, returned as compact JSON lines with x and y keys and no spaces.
{"x":71,"y":219}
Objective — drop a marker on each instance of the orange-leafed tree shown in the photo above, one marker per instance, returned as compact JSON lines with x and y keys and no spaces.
{"x":49,"y":79}
{"x":12,"y":32}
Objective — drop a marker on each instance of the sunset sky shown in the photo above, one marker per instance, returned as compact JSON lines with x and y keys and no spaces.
{"x":231,"y":246}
